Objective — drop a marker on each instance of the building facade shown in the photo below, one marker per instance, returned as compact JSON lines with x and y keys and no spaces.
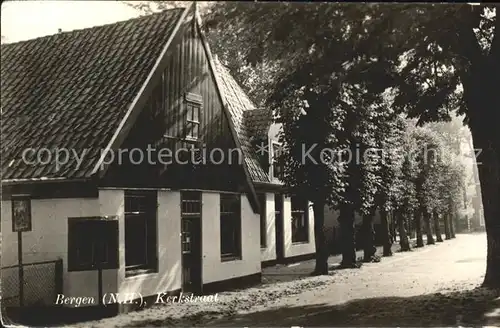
{"x":161,"y":189}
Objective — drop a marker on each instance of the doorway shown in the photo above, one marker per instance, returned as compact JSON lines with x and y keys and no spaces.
{"x":191,"y":242}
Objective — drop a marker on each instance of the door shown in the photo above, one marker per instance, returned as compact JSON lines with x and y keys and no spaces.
{"x":278,"y":210}
{"x":191,"y":255}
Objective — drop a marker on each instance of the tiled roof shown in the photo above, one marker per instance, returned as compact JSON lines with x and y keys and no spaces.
{"x":238,"y":104}
{"x":71,"y":90}
{"x":257,"y":122}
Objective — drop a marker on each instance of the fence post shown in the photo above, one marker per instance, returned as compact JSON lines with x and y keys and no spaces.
{"x":21,"y":268}
{"x":58,"y":277}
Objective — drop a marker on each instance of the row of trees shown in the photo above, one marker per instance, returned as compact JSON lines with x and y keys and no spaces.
{"x":427,"y":187}
{"x":348,"y":76}
{"x":354,"y":69}
{"x":416,"y":180}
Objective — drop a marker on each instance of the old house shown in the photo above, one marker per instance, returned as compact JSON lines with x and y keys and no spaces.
{"x":287,"y":223}
{"x":128,"y":167}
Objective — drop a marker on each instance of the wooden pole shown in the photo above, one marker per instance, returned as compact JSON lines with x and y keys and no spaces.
{"x":20,"y":271}
{"x":99,"y":283}
{"x":98,"y":254}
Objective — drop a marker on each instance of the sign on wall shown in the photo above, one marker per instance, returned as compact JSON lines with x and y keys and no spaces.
{"x":21,"y":214}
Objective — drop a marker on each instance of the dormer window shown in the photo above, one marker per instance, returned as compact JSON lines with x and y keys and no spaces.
{"x":193,"y":113}
{"x":276,"y":167}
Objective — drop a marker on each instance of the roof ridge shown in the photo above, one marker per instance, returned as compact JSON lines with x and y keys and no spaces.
{"x":55,"y":35}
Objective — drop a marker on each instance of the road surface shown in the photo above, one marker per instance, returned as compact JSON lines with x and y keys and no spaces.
{"x":430,"y":286}
{"x":401,"y":290}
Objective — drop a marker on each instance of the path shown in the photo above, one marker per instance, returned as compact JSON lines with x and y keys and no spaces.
{"x":431,"y":286}
{"x":397,"y":291}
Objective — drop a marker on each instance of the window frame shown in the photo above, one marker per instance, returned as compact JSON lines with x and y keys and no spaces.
{"x":304,"y":211}
{"x":193,"y":197}
{"x":274,"y":161}
{"x":99,"y":229}
{"x":150,"y":217}
{"x":193,"y":104}
{"x":190,"y":197}
{"x":236,"y":253}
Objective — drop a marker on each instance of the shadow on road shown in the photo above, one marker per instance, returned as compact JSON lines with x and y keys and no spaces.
{"x":284,"y":273}
{"x":474,"y":307}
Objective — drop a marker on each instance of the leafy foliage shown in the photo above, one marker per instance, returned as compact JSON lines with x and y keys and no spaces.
{"x":337,"y":75}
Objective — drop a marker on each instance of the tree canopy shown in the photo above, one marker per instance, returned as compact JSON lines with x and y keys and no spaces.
{"x":337,"y":75}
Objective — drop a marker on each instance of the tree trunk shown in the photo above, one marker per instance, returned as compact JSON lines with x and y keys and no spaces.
{"x":368,"y":238}
{"x":452,"y":223}
{"x":489,"y":175}
{"x":320,"y":239}
{"x":347,"y":235}
{"x":447,"y":233}
{"x":394,"y":226}
{"x":411,"y":227}
{"x":386,"y":233}
{"x":428,"y":229}
{"x":437,"y":228}
{"x":418,"y":228}
{"x":483,"y":99}
{"x":404,"y":242}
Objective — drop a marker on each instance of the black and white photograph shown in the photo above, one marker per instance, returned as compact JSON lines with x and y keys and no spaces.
{"x":249,"y":164}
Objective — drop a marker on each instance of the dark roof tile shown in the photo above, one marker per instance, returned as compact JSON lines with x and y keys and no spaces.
{"x":258,"y":122}
{"x":238,"y":104}
{"x":72,"y":89}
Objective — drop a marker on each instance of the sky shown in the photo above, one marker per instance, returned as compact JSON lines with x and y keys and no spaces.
{"x":24,"y":20}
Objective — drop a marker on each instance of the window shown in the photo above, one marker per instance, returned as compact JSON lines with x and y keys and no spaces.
{"x":190,"y":208}
{"x":230,"y":227}
{"x":300,"y":220}
{"x":140,"y":232}
{"x":193,"y":123}
{"x":92,"y":243}
{"x":21,"y":213}
{"x":277,"y":171}
{"x":191,"y":203}
{"x":81,"y":251}
{"x":263,"y":221}
{"x":193,"y":111}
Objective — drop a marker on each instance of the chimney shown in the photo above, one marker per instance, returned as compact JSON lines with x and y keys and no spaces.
{"x":59,"y":30}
